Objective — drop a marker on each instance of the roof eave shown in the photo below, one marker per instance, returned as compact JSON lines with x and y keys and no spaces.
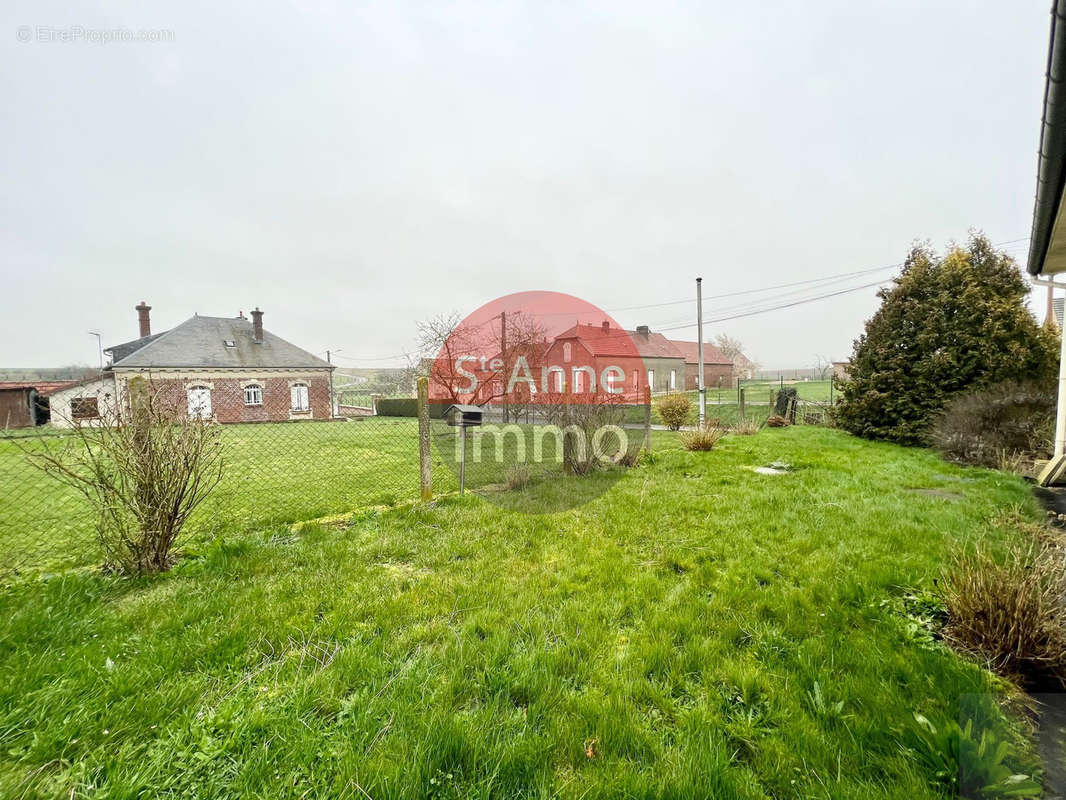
{"x":1047,"y":244}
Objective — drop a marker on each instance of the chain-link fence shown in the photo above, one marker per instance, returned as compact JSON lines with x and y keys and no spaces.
{"x":289,"y":454}
{"x":294,"y":451}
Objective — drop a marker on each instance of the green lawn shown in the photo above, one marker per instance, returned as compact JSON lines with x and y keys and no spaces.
{"x":273,"y":473}
{"x":699,"y":630}
{"x":282,"y":472}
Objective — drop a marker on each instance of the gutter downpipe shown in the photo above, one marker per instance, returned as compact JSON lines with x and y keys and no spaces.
{"x":1055,"y":467}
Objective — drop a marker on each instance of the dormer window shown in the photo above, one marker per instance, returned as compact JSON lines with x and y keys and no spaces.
{"x":229,"y":342}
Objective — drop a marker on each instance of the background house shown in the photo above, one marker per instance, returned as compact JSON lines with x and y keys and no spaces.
{"x":647,"y":358}
{"x":228,"y":369}
{"x":717,"y":366}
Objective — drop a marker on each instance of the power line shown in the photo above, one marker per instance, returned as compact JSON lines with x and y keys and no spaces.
{"x":753,"y":309}
{"x":778,"y":307}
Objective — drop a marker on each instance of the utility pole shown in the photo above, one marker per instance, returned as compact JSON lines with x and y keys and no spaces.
{"x":99,"y":347}
{"x":333,"y":408}
{"x":702,"y":390}
{"x":503,"y":355}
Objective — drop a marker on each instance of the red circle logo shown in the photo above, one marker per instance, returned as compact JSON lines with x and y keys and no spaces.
{"x":541,"y":391}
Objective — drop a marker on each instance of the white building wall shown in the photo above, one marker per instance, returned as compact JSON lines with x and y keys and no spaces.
{"x":103,"y":389}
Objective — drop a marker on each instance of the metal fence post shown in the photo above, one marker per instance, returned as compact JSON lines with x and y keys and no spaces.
{"x":425,"y":465}
{"x":647,"y":418}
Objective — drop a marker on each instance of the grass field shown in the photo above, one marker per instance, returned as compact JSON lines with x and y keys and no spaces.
{"x":280,"y":472}
{"x":273,"y":473}
{"x":699,"y":630}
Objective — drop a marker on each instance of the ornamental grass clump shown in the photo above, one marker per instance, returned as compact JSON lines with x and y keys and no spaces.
{"x":702,"y":439}
{"x":1011,"y":611}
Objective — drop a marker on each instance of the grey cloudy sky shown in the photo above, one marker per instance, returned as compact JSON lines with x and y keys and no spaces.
{"x":352,"y":168}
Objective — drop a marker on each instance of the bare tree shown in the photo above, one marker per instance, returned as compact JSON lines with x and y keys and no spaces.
{"x":823,"y":368}
{"x":728,"y":345}
{"x":445,"y":339}
{"x":144,"y":469}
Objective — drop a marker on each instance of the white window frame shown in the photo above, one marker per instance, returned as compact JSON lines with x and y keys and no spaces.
{"x":256,"y":392}
{"x":673,"y":379}
{"x":568,"y":352}
{"x":651,"y":379}
{"x":201,"y":406}
{"x":295,"y":397}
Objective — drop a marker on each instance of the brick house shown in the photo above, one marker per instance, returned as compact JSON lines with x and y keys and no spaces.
{"x":228,"y":369}
{"x":718,"y":368}
{"x":645,"y":358}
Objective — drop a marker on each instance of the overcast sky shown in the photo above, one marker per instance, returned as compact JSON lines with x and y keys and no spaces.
{"x":352,"y":168}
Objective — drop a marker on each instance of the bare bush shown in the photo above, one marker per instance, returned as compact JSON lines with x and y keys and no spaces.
{"x":674,"y":410}
{"x":997,"y":427}
{"x":1011,"y":612}
{"x":582,"y":420}
{"x":704,"y":438}
{"x":144,"y":470}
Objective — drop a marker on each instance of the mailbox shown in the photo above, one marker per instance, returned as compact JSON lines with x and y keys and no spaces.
{"x":463,"y":416}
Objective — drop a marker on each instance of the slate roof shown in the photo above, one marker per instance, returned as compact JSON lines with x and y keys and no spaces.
{"x":711,"y":354}
{"x":201,"y":342}
{"x":619,"y":342}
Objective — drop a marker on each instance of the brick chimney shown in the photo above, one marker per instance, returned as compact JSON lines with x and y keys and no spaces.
{"x":257,"y":325}
{"x":643,"y":330}
{"x":606,"y":325}
{"x":143,"y":320}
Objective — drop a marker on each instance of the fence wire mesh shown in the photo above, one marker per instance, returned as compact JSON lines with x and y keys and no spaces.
{"x":299,"y":460}
{"x":291,"y":454}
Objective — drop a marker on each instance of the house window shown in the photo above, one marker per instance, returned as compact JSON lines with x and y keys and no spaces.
{"x":298,"y":395}
{"x":253,"y":395}
{"x":651,"y":379}
{"x":579,"y":381}
{"x":84,"y":408}
{"x":673,"y":379}
{"x":560,"y":378}
{"x":229,"y":342}
{"x":636,"y":379}
{"x":567,"y":353}
{"x":199,"y":398}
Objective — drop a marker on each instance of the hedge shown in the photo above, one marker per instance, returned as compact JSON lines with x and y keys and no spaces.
{"x":406,"y":407}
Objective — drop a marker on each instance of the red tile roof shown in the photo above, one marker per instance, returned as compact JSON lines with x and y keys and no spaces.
{"x":618,"y":342}
{"x":44,"y":388}
{"x":711,"y":354}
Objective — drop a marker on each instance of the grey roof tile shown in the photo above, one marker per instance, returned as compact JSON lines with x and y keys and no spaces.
{"x":201,"y":342}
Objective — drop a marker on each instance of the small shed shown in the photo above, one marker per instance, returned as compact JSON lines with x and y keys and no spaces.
{"x":26,"y":404}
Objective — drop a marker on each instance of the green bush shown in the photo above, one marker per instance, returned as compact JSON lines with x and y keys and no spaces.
{"x":674,"y":410}
{"x":406,"y":407}
{"x":948,"y":325}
